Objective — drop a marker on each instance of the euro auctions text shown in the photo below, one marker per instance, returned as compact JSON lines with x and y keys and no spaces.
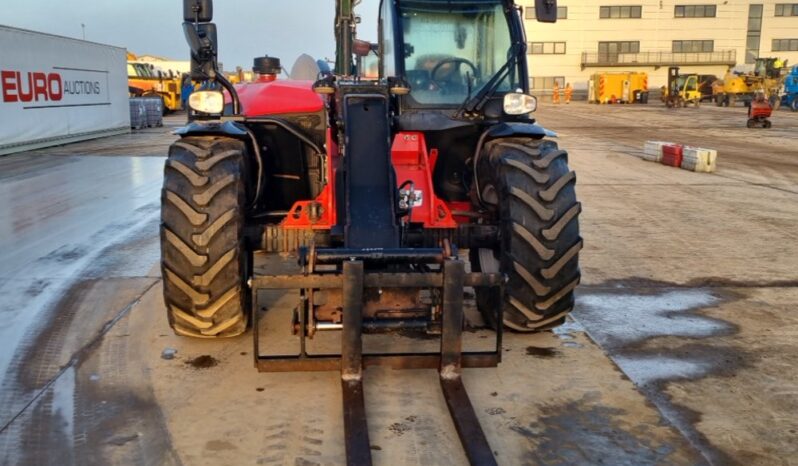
{"x":37,"y":86}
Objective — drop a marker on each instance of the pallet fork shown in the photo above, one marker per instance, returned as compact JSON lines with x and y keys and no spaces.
{"x":451,"y":279}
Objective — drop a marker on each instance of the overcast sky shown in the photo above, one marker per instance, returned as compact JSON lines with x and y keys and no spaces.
{"x":247,"y":28}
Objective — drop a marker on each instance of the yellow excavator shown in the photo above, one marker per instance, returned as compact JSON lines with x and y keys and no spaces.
{"x":742,"y":87}
{"x":146,"y":80}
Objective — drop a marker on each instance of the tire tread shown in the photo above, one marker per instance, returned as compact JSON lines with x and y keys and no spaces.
{"x":203,"y":252}
{"x":537,"y":214}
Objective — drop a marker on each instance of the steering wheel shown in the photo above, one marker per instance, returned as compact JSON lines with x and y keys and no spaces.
{"x":454,"y":61}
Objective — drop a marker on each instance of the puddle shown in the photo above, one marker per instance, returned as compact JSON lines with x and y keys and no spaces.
{"x":624,"y":323}
{"x":567,"y":330}
{"x":617,"y":320}
{"x":644,"y":370}
{"x":586,"y":432}
{"x":64,"y":400}
{"x":656,"y":335}
{"x":203,"y":362}
{"x":542,"y":352}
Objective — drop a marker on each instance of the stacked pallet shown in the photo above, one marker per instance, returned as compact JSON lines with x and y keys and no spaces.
{"x":138,"y":113}
{"x":154,"y":107}
{"x":691,"y":158}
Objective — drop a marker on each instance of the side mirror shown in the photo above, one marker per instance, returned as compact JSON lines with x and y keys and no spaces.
{"x":198,"y":11}
{"x":546,"y":11}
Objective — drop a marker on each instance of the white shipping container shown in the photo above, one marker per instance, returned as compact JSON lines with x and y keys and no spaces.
{"x":698,"y":159}
{"x":56,"y":89}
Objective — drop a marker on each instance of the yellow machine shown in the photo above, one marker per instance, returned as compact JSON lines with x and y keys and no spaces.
{"x":624,"y":87}
{"x":144,"y":79}
{"x":240,"y":76}
{"x":765,"y":78}
{"x":682,"y":89}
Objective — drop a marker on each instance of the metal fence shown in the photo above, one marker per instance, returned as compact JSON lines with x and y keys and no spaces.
{"x":724,"y":57}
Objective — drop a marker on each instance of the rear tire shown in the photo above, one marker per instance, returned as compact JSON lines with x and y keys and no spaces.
{"x":530,"y":189}
{"x":204,"y":257}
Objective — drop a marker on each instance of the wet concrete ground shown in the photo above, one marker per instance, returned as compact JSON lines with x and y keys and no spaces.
{"x":682,"y":349}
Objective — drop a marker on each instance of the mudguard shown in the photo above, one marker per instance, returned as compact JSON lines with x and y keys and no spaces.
{"x":212,"y":128}
{"x":509,"y":129}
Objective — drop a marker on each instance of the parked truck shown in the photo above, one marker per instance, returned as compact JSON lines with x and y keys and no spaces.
{"x":789,"y":97}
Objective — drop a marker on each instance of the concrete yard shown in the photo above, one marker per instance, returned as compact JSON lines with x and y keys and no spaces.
{"x":682,"y":349}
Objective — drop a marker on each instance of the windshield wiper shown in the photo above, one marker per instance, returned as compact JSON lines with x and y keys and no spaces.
{"x":478,"y":101}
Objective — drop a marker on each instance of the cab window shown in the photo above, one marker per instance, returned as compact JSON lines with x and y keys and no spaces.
{"x":452,"y":49}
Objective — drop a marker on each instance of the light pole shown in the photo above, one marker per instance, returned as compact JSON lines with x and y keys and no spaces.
{"x":83,"y":28}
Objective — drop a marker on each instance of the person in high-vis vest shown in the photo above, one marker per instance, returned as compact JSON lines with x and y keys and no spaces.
{"x":555,"y":93}
{"x":569,"y":92}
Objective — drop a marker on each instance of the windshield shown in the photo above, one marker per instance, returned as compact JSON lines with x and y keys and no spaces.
{"x":453,"y":46}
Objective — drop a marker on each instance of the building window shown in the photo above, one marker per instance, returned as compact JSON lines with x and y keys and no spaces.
{"x":694,"y":11}
{"x":680,"y":46}
{"x":616,"y":12}
{"x":546,"y":82}
{"x":754,"y":33}
{"x":614,"y":48}
{"x":546,"y":48}
{"x":785,"y":45}
{"x":562,"y":12}
{"x":787,"y":9}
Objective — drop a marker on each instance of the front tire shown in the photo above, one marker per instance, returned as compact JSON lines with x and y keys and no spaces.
{"x":530,"y":190}
{"x":204,"y":255}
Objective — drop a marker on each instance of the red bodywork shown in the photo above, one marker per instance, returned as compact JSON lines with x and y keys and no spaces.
{"x":411,"y":159}
{"x":672,"y":155}
{"x":760,"y":109}
{"x":276,"y":97}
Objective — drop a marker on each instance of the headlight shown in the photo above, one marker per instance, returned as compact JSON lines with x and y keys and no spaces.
{"x":519,"y":104}
{"x":206,"y":101}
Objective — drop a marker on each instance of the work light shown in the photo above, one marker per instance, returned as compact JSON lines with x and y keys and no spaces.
{"x":518,"y":104}
{"x":206,"y":101}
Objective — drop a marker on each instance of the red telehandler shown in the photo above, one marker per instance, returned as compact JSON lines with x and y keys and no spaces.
{"x":376,"y":187}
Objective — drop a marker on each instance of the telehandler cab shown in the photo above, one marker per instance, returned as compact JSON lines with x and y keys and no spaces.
{"x":376,"y":186}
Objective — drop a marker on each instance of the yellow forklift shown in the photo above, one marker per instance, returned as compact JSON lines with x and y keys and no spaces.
{"x":682,"y":89}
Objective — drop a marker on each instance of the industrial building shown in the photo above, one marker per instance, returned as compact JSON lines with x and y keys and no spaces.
{"x":650,"y":35}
